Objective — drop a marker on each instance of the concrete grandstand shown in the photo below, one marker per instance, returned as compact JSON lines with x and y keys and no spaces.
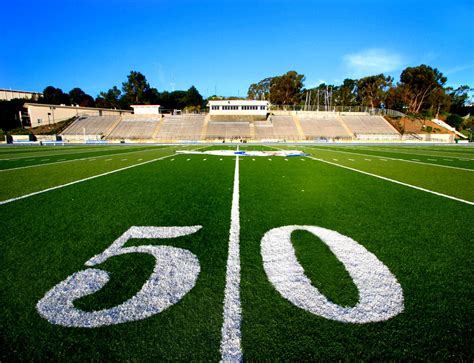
{"x":295,"y":126}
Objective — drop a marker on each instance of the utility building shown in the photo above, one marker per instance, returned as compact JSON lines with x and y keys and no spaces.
{"x":238,"y":110}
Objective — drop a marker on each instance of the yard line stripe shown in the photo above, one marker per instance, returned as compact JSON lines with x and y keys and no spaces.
{"x":231,"y":350}
{"x":394,"y":181}
{"x":409,"y":153}
{"x":386,"y":157}
{"x":80,"y":180}
{"x":58,"y":154}
{"x":81,"y":159}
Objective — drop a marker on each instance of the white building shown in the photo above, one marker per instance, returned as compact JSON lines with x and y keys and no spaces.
{"x":146,"y":109}
{"x":41,"y":114}
{"x":238,"y":108}
{"x":8,"y":94}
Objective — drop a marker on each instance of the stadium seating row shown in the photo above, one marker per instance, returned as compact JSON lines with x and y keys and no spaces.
{"x":310,"y":126}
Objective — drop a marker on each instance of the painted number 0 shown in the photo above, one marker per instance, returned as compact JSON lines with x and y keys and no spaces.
{"x":380,"y":294}
{"x":176,"y":271}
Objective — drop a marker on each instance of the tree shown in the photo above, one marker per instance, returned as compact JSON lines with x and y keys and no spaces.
{"x":109,"y":99}
{"x":136,"y":88}
{"x":455,"y":121}
{"x":286,"y":89}
{"x":372,"y":90}
{"x":418,"y":84}
{"x":54,"y":96}
{"x":78,"y":97}
{"x":193,"y":97}
{"x":260,"y":90}
{"x":459,"y":96}
{"x":346,"y":94}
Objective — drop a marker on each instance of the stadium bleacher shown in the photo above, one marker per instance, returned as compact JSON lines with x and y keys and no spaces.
{"x":284,"y":127}
{"x":228,"y":129}
{"x":185,"y":127}
{"x":325,"y":125}
{"x":364,"y":124}
{"x":303,"y":126}
{"x":91,"y":125}
{"x":264,"y":130}
{"x":134,"y":130}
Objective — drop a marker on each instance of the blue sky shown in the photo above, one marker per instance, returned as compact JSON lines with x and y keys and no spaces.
{"x":226,"y":45}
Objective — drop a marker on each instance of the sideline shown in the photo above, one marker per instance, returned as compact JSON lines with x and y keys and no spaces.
{"x":81,"y":180}
{"x":386,"y":157}
{"x":58,"y":154}
{"x":387,"y":150}
{"x":81,"y":159}
{"x":394,"y":181}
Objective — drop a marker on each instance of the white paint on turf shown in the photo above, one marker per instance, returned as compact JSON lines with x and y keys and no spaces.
{"x":380,"y":294}
{"x":404,"y":160}
{"x":175,"y":274}
{"x":80,"y":180}
{"x":395,"y":181}
{"x":231,"y":350}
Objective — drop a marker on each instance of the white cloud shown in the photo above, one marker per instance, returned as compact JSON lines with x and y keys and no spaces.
{"x":372,"y":61}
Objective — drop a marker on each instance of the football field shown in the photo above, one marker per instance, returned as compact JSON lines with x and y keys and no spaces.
{"x":139,"y":253}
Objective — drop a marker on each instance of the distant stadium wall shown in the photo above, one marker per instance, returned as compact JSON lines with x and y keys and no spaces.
{"x":43,"y":114}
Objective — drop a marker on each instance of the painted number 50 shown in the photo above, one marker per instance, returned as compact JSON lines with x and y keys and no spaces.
{"x":176,"y":271}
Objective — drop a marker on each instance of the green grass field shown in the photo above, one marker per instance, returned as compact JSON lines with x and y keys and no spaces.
{"x":409,"y":207}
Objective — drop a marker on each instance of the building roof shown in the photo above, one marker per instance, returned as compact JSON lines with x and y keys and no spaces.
{"x":239,"y":102}
{"x":74,"y":107}
{"x":19,"y":91}
{"x":136,"y":106}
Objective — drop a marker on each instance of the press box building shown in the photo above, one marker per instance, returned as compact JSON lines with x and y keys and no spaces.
{"x":231,"y":110}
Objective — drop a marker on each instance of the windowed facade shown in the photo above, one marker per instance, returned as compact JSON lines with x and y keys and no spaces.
{"x":239,"y":107}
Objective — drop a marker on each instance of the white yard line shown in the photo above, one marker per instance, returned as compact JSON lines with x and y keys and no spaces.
{"x":409,"y":153}
{"x":80,"y":180}
{"x":231,"y":350}
{"x":58,"y":154}
{"x":394,"y":181}
{"x":81,"y":159}
{"x":385,"y":157}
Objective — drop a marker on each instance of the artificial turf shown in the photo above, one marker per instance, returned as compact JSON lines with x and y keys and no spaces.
{"x":424,"y":239}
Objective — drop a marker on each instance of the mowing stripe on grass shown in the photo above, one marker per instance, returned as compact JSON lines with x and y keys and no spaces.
{"x":231,"y":350}
{"x":394,"y":181}
{"x":56,"y":154}
{"x":80,"y":180}
{"x":386,"y":157}
{"x":90,"y":158}
{"x":387,"y":150}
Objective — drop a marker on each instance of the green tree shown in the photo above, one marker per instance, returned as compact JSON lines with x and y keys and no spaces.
{"x":54,"y":96}
{"x":78,"y":97}
{"x":136,"y":88}
{"x":260,"y":90}
{"x":455,"y":121}
{"x":372,"y":90}
{"x":418,"y":84}
{"x":346,"y":94}
{"x":109,"y":99}
{"x":193,"y":97}
{"x":459,"y":96}
{"x":287,"y":89}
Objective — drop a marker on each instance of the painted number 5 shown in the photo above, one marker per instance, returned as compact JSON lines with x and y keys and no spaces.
{"x":174,"y":275}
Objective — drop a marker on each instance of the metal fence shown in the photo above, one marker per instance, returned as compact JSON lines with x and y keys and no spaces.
{"x":338,"y":109}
